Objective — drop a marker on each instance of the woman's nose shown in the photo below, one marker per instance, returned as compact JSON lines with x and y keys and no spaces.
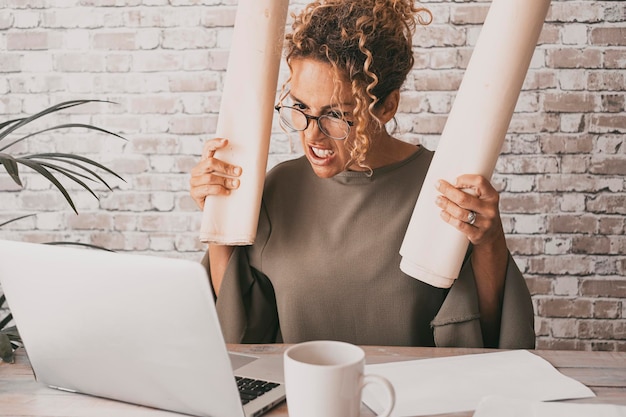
{"x":313,"y":129}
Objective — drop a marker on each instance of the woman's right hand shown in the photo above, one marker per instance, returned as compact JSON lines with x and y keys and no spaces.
{"x":212,"y":176}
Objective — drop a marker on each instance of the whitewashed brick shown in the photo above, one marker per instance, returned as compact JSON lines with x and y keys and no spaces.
{"x":520,"y":184}
{"x":196,"y":60}
{"x":437,"y":102}
{"x":124,"y":222}
{"x":163,"y":222}
{"x":574,"y":163}
{"x":156,"y":61}
{"x":163,"y":164}
{"x":163,"y":201}
{"x":469,"y":38}
{"x":51,"y":221}
{"x":154,"y":124}
{"x":527,"y":102}
{"x":564,"y":328}
{"x":557,"y":245}
{"x":192,"y":145}
{"x":574,"y":34}
{"x":572,"y":123}
{"x":118,"y":63}
{"x":415,"y":102}
{"x":26,"y":19}
{"x":37,"y":62}
{"x":529,"y":224}
{"x":78,"y":17}
{"x":11,"y":62}
{"x":538,"y":60}
{"x":162,"y":242}
{"x":11,"y":203}
{"x":219,"y":16}
{"x":572,"y":80}
{"x":520,"y":144}
{"x":82,"y":83}
{"x":85,"y":202}
{"x":194,"y":82}
{"x":572,"y":203}
{"x":33,"y":104}
{"x":7,"y":17}
{"x":611,"y":144}
{"x":148,"y":39}
{"x":193,"y":104}
{"x":193,"y":38}
{"x":79,"y":62}
{"x":160,"y":104}
{"x":190,"y":244}
{"x":155,"y":2}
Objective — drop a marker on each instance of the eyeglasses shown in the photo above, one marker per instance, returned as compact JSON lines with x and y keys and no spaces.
{"x":296,"y":120}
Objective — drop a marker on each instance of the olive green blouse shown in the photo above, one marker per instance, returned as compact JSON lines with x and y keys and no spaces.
{"x":325,"y":265}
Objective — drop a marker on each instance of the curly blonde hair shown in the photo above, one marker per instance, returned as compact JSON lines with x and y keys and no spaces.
{"x":367,"y":42}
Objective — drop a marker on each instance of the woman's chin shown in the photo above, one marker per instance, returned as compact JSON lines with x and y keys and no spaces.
{"x":324,"y":170}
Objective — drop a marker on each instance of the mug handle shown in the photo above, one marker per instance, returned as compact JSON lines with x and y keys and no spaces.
{"x":376,"y":379}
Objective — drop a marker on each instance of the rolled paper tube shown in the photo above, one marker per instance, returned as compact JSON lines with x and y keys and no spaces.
{"x":245,"y":119}
{"x":432,"y":250}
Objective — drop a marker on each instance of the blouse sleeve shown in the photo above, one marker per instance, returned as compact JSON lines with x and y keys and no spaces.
{"x":246,"y":305}
{"x":457,"y":324}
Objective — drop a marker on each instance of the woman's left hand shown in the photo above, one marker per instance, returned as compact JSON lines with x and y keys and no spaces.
{"x":490,"y":254}
{"x":472,"y":194}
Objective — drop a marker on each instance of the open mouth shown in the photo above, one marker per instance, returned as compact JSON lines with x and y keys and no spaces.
{"x":321,"y":153}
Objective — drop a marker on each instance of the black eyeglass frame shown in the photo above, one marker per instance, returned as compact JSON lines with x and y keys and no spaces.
{"x":308,"y":118}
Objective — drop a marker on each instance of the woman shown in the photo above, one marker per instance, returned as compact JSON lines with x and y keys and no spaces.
{"x":325,"y":262}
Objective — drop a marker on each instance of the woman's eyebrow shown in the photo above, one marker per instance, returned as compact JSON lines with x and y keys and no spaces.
{"x":324,"y":108}
{"x":294,"y":98}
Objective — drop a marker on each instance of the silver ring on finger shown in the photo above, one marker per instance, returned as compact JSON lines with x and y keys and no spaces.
{"x":471,"y":217}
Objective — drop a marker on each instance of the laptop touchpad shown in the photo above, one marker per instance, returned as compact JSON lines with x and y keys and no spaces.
{"x":237,"y":360}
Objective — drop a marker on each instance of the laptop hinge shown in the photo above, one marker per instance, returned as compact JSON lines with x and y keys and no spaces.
{"x":63,"y":389}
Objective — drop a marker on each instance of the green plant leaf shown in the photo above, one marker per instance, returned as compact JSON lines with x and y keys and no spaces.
{"x":6,"y":321}
{"x":3,"y":300}
{"x":9,"y":122}
{"x":96,"y":177}
{"x":37,"y":167}
{"x":10,"y":165}
{"x":63,"y":168}
{"x":38,"y":163}
{"x":14,"y":220}
{"x":64,"y":156}
{"x":63,"y":126}
{"x":87,"y":245}
{"x":6,"y":349}
{"x":14,"y":336}
{"x":72,"y":175}
{"x":52,"y":109}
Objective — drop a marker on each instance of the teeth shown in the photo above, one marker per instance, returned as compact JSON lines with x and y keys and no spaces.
{"x":322,"y":153}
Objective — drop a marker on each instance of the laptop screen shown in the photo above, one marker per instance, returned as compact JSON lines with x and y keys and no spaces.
{"x":134,"y":328}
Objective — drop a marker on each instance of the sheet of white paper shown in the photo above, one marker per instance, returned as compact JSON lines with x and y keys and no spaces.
{"x":471,"y":140}
{"x":250,"y":83}
{"x":458,"y":383}
{"x":494,"y":406}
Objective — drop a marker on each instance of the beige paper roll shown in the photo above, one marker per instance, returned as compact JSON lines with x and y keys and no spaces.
{"x":245,"y":119}
{"x":432,"y":250}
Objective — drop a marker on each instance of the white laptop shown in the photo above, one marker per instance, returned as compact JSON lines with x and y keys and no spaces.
{"x":138,"y":329}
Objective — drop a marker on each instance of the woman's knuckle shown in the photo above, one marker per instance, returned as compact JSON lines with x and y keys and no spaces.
{"x":464,"y":199}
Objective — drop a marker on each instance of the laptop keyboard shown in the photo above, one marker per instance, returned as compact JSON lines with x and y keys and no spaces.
{"x":249,"y":388}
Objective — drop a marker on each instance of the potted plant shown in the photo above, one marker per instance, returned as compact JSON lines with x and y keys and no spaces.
{"x":55,"y":167}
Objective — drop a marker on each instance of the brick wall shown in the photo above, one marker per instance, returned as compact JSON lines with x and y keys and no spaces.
{"x":561,"y":173}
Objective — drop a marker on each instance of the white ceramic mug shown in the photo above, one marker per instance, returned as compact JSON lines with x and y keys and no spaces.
{"x":325,"y":378}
